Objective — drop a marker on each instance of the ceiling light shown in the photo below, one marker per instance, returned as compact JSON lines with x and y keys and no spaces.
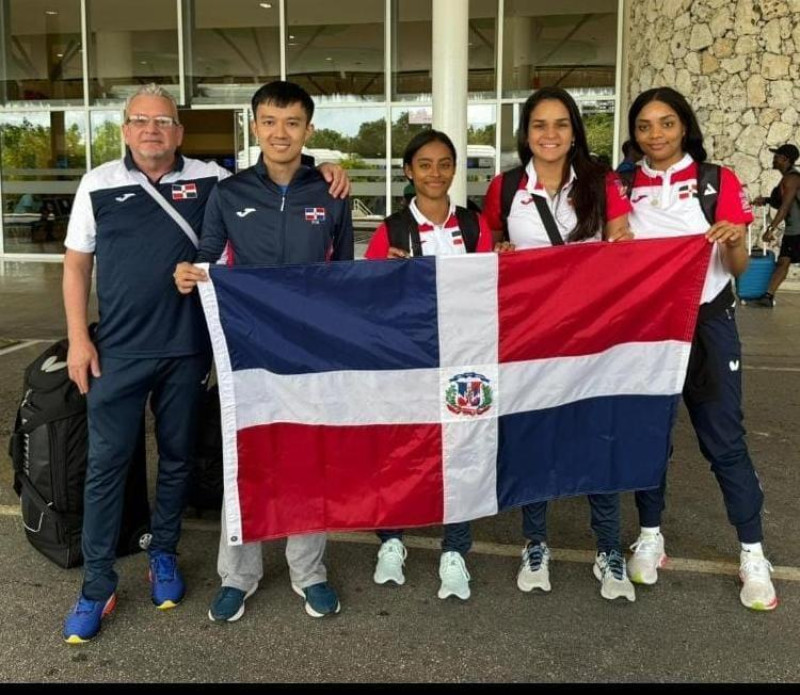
{"x":291,"y":36}
{"x":329,"y":59}
{"x":59,"y":55}
{"x":265,"y":5}
{"x":51,"y":12}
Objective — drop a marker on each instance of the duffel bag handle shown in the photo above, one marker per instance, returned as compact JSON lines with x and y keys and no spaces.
{"x":71,"y":521}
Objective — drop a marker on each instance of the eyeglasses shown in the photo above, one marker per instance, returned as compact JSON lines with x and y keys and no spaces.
{"x":160,"y":122}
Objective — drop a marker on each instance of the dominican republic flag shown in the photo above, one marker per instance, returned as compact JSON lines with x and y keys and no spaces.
{"x":401,"y":393}
{"x":315,"y":215}
{"x":183,"y":191}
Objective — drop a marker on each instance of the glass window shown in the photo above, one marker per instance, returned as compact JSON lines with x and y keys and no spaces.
{"x":43,"y":157}
{"x":106,"y":136}
{"x":568,"y":46}
{"x":411,"y":49}
{"x":40,"y":51}
{"x":509,"y":120}
{"x":482,"y":32}
{"x":131,"y":44}
{"x":598,"y":119}
{"x":481,"y":151}
{"x":232,"y":48}
{"x":406,"y":123}
{"x":213,"y":135}
{"x":356,"y":139}
{"x":335,"y":50}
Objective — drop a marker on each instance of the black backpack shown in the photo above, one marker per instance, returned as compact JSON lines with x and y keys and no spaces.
{"x":708,"y":179}
{"x":403,"y":232}
{"x":48,"y":449}
{"x":206,"y":483}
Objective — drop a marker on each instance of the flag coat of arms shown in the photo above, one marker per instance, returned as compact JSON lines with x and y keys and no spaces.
{"x":394,"y":394}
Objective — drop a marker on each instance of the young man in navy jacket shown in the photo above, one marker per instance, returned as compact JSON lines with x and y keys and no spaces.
{"x":274,"y":213}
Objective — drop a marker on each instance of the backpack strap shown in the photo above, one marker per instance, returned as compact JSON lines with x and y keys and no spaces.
{"x":470,"y":226}
{"x":708,"y":179}
{"x":403,"y":233}
{"x":547,"y":220}
{"x":508,"y":189}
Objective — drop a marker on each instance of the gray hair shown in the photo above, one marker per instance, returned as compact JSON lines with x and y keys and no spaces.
{"x":151,"y":90}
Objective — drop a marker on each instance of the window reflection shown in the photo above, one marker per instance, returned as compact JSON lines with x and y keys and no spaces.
{"x":335,"y":51}
{"x":356,"y":139}
{"x":232,"y":49}
{"x":548,"y":44}
{"x":481,"y":49}
{"x":132,"y":43}
{"x":42,"y":157}
{"x":481,"y":152}
{"x":42,"y":60}
{"x":411,"y":41}
{"x":106,"y":136}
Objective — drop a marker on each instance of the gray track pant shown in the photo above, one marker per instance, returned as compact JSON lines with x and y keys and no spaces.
{"x":242,"y":566}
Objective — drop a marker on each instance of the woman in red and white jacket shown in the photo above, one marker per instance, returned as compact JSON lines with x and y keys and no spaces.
{"x":560,"y":186}
{"x":671,"y":193}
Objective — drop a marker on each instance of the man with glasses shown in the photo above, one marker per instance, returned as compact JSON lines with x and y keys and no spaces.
{"x":138,"y":217}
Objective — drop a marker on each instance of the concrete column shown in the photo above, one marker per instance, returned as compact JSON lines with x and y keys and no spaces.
{"x":449,"y":78}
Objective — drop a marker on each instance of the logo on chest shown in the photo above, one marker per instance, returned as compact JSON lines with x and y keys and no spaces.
{"x":687,"y":190}
{"x":184,"y":191}
{"x":315,"y":215}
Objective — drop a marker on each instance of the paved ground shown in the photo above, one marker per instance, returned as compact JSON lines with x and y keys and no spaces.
{"x":690,"y":627}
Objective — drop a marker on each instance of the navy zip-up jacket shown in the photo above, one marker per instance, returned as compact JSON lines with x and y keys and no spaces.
{"x":253,"y":222}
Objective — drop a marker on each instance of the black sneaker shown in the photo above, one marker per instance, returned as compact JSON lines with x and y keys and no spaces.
{"x":766,"y":300}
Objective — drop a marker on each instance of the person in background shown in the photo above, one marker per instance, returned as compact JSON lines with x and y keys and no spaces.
{"x":786,"y":200}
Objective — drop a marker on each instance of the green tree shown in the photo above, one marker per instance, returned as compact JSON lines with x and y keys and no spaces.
{"x":402,"y":132}
{"x":600,"y":133}
{"x":481,"y":136}
{"x":106,"y":143}
{"x":326,"y":138}
{"x":370,"y":142}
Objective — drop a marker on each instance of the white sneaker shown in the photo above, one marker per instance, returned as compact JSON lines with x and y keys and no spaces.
{"x":534,"y":572}
{"x":391,"y":558}
{"x":648,"y":557}
{"x":757,"y":590}
{"x":610,"y":571}
{"x":454,"y":576}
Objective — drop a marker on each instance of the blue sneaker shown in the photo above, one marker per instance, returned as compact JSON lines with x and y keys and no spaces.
{"x":83,"y":621}
{"x":320,"y":599}
{"x":167,"y":587}
{"x":228,"y":604}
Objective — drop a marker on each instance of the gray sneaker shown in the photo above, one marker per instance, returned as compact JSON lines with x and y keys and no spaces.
{"x":391,"y":558}
{"x":534,"y":571}
{"x":454,"y":576}
{"x":609,"y":568}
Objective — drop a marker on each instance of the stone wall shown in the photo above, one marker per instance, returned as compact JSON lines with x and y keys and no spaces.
{"x":738,"y":63}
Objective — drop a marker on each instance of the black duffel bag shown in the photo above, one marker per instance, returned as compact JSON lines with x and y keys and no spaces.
{"x":49,"y":448}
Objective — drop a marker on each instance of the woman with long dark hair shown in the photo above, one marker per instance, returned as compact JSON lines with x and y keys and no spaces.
{"x":675,"y":192}
{"x":561,"y":194}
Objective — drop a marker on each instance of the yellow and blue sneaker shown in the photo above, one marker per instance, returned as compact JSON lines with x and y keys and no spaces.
{"x":83,"y":621}
{"x":167,"y":587}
